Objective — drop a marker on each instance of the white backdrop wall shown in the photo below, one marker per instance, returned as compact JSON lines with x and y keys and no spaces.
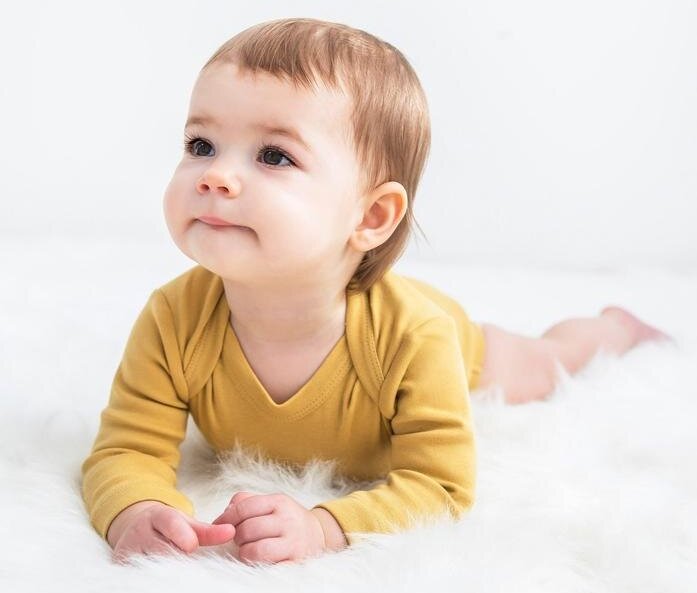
{"x":564,"y":132}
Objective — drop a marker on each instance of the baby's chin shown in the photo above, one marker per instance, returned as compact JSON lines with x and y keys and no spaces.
{"x":251,"y":275}
{"x":229,"y":267}
{"x":209,"y":251}
{"x":220,"y":265}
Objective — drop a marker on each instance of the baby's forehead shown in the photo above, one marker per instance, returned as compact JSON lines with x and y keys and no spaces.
{"x":227,"y":94}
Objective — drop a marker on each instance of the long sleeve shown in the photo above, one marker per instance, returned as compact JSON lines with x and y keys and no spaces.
{"x":425,"y":400}
{"x":136,"y":452}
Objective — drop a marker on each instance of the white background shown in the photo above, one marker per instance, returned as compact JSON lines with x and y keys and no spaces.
{"x":564,"y":133}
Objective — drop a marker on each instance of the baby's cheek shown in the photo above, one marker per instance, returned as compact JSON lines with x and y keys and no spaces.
{"x":172,"y":204}
{"x":174,"y":213}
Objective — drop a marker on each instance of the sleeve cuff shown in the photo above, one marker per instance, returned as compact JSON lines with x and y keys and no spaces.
{"x":110,"y":504}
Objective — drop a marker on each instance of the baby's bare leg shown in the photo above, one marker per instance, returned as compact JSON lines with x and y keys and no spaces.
{"x":526,"y":368}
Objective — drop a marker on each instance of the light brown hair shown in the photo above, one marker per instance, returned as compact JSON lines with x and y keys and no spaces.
{"x":390,"y":124}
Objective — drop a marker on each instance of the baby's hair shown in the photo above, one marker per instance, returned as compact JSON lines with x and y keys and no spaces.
{"x":391,"y":130}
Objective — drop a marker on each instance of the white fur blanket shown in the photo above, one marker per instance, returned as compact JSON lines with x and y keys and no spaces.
{"x":592,"y":490}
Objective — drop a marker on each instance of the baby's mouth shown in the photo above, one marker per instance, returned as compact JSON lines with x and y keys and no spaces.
{"x":214,"y":222}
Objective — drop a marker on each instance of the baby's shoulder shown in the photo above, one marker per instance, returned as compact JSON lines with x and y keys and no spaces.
{"x":197,"y":304}
{"x":401,"y":302}
{"x":189,"y":292}
{"x":198,"y":319}
{"x":404,"y":311}
{"x":407,"y":316}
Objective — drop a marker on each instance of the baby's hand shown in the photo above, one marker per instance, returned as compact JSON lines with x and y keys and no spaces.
{"x":273,"y":528}
{"x":151,"y":527}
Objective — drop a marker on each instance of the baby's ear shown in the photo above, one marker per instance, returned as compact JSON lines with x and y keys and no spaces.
{"x":385,"y":206}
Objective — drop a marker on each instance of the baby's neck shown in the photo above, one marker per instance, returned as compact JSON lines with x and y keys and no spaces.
{"x":283,"y":319}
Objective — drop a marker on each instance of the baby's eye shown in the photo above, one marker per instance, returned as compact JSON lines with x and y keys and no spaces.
{"x":278,"y":154}
{"x":192,"y":145}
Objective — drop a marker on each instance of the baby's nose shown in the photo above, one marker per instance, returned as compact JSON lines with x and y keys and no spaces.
{"x":227,"y":185}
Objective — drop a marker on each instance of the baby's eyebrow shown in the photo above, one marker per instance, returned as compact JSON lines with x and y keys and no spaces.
{"x":288,"y":131}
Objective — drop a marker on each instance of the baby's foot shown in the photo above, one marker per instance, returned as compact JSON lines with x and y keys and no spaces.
{"x":638,"y":330}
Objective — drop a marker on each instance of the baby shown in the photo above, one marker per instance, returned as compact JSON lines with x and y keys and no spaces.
{"x":292,"y":334}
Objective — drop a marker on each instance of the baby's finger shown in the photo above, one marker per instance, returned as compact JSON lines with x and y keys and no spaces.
{"x":176,"y":529}
{"x":256,"y":528}
{"x":271,"y":550}
{"x":213,"y":535}
{"x":238,"y":497}
{"x":224,"y":519}
{"x":246,"y":507}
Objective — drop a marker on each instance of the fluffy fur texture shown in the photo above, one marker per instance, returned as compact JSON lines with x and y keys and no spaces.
{"x":591,"y":490}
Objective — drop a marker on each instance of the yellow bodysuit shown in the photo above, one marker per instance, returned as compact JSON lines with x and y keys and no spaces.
{"x":390,"y":401}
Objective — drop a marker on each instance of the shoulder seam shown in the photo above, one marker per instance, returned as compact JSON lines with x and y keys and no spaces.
{"x":179,"y":349}
{"x":374,"y":358}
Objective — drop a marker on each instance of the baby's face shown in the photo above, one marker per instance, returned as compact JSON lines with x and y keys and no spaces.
{"x":295,"y":200}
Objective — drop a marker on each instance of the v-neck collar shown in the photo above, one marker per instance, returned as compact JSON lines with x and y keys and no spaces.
{"x":332,"y":371}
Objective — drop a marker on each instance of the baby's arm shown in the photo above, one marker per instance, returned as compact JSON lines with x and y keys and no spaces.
{"x":424,"y":402}
{"x":136,"y":451}
{"x":525,"y":368}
